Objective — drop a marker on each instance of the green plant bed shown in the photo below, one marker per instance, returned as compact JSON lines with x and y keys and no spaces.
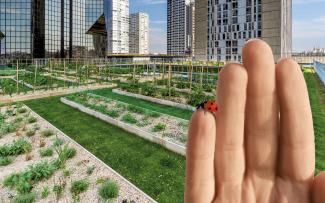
{"x":9,"y":86}
{"x":173,"y":111}
{"x":136,"y":159}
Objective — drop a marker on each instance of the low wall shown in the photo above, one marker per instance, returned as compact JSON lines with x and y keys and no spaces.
{"x":155,"y":100}
{"x":129,"y":128}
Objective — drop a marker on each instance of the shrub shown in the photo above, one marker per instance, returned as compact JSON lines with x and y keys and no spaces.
{"x":136,"y":109}
{"x":129,"y":119}
{"x":159,"y":127}
{"x":64,"y":153}
{"x":149,"y":90}
{"x":90,"y":169}
{"x":25,"y":198}
{"x":195,"y":98}
{"x":36,"y":127}
{"x":45,"y":192}
{"x":46,"y":152}
{"x":30,"y":132}
{"x":47,"y":133}
{"x":108,"y":190}
{"x":18,"y":120}
{"x":31,"y":119}
{"x":79,"y":186}
{"x":4,"y":161}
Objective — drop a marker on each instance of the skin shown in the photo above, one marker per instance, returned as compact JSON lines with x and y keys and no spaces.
{"x":259,"y":146}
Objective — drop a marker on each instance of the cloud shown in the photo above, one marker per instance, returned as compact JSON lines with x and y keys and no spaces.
{"x":299,"y":2}
{"x":158,"y":22}
{"x":153,"y":2}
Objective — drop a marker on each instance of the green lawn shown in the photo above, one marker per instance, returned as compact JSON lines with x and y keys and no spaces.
{"x":157,"y":171}
{"x":180,"y":113}
{"x":317,"y":99}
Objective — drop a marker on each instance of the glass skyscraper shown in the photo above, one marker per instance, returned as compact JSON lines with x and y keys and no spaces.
{"x":48,"y":28}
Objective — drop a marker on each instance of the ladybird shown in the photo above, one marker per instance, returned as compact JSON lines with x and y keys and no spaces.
{"x":208,"y":106}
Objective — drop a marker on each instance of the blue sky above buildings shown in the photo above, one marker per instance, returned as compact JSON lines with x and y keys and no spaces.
{"x":308,"y":23}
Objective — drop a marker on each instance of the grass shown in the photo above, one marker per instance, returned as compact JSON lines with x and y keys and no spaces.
{"x":79,"y":186}
{"x":128,"y":118}
{"x":45,"y":192}
{"x":317,"y":99}
{"x":136,"y":159}
{"x":108,"y":190}
{"x":159,"y":127}
{"x":173,"y":111}
{"x":30,"y":132}
{"x":25,"y":198}
{"x":46,"y":152}
{"x":5,"y":161}
{"x":47,"y":133}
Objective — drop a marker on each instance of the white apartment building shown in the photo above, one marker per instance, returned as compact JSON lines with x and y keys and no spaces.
{"x":179,"y":27}
{"x":230,"y":23}
{"x":117,"y":26}
{"x":139,"y":33}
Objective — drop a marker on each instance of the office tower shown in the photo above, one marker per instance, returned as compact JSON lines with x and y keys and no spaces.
{"x":179,"y":27}
{"x":116,"y":14}
{"x":47,"y":28}
{"x":230,"y":23}
{"x":139,"y":33}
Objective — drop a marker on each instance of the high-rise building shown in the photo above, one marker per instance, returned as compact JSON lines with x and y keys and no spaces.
{"x":223,"y":27}
{"x":179,"y":27}
{"x":139,"y":33}
{"x":116,"y":14}
{"x":47,"y":28}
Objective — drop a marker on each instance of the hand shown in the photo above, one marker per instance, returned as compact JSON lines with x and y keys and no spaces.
{"x":259,"y":147}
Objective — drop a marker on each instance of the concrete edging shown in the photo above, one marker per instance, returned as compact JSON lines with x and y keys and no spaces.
{"x":137,"y":131}
{"x":155,"y":100}
{"x":100,"y":161}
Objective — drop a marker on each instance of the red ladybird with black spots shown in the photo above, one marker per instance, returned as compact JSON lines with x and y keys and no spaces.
{"x":208,"y":106}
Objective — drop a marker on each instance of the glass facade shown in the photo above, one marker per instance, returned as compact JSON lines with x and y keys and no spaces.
{"x":15,"y":24}
{"x":48,"y":28}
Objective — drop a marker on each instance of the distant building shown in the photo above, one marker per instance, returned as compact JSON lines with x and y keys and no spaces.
{"x":139,"y":33}
{"x":224,"y":26}
{"x":179,"y":27}
{"x":47,"y":28}
{"x":117,"y":25}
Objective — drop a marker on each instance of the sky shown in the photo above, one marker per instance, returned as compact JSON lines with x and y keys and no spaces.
{"x":308,"y":23}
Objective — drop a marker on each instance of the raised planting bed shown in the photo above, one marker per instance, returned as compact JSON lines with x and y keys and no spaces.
{"x":39,"y":163}
{"x":168,"y":131}
{"x":192,"y":98}
{"x":9,"y":86}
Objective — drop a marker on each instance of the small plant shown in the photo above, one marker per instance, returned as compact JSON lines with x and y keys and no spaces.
{"x":108,"y":190}
{"x":90,"y":169}
{"x":25,"y":198}
{"x":79,"y":186}
{"x":18,"y":120}
{"x":22,"y":110}
{"x":100,"y":181}
{"x":159,"y":127}
{"x":46,"y":152}
{"x":64,"y":153}
{"x":58,"y":142}
{"x":31,"y":119}
{"x":30,"y":132}
{"x":66,"y":173}
{"x":45,"y":192}
{"x":129,"y":118}
{"x":113,"y":113}
{"x":36,"y":127}
{"x":47,"y":133}
{"x":17,"y":147}
{"x":4,"y":161}
{"x":58,"y":189}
